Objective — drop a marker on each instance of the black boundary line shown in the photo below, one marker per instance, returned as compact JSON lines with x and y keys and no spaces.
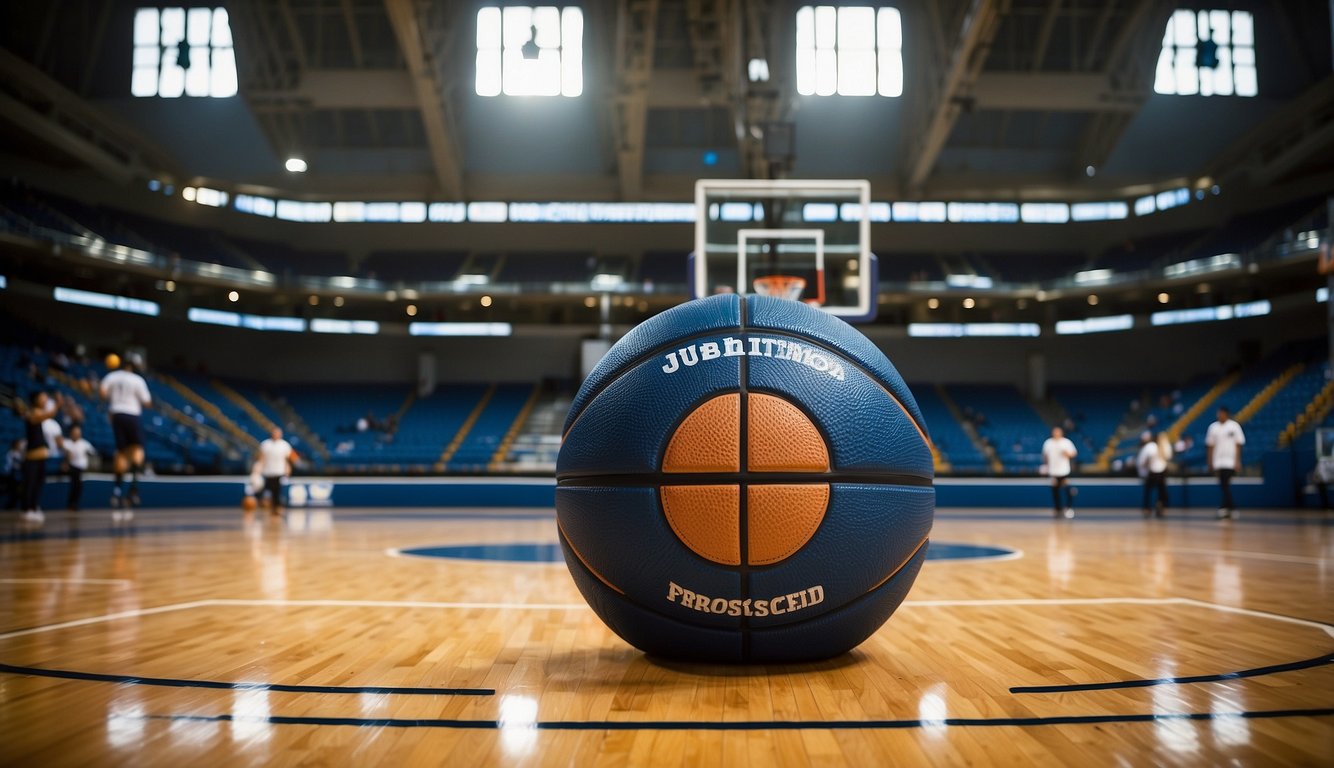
{"x":1272,"y":669}
{"x":167,"y":682}
{"x":752,"y":725}
{"x":743,"y":485}
{"x":654,"y":479}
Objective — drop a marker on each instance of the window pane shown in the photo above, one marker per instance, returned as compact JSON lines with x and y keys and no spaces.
{"x":891,"y":73}
{"x":1167,"y":36}
{"x":571,"y":72}
{"x":197,"y":25}
{"x":1206,"y":76}
{"x":547,"y":20}
{"x":146,"y":56}
{"x":856,"y":73}
{"x":1220,"y":26}
{"x":488,"y":72}
{"x":806,"y":71}
{"x":889,"y":34}
{"x":518,"y":25}
{"x":222,"y":29}
{"x":826,"y":30}
{"x":196,"y":77}
{"x":826,"y":72}
{"x":1223,"y":75}
{"x":1184,"y":28}
{"x":856,"y":28}
{"x":143,"y":81}
{"x":146,"y":26}
{"x":572,"y":29}
{"x":1243,"y":56}
{"x":806,"y":27}
{"x":222,"y":83}
{"x":1165,"y":79}
{"x":1243,"y":31}
{"x":171,"y":82}
{"x":173,"y":26}
{"x":1202,"y":24}
{"x":1186,"y":72}
{"x":1246,"y":81}
{"x":488,"y":28}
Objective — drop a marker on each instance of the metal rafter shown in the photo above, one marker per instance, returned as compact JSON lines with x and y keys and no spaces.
{"x":970,"y":50}
{"x":433,"y":92}
{"x":636,"y":27}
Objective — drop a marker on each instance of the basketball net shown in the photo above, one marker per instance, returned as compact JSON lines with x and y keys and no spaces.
{"x":781,"y":286}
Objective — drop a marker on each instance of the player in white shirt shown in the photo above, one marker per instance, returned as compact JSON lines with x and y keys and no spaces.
{"x":1057,"y":452}
{"x":127,"y":396}
{"x":78,"y":453}
{"x":275,"y":463}
{"x":1224,"y":440}
{"x":1152,"y":462}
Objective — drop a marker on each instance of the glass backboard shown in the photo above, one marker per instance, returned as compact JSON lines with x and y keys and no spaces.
{"x":815,"y":232}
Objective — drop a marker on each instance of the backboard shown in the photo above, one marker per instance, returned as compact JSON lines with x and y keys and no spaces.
{"x":817,"y":232}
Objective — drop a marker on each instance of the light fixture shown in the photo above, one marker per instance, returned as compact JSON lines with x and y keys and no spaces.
{"x":314,"y":300}
{"x":1093,"y":299}
{"x":233,"y":296}
{"x":590,"y":302}
{"x":933,"y":303}
{"x":170,"y":286}
{"x":189,"y":194}
{"x":295,"y":165}
{"x":1089,"y":171}
{"x":411,"y":310}
{"x":968,"y":303}
{"x":486,"y":301}
{"x":1163,"y":298}
{"x":338,"y":301}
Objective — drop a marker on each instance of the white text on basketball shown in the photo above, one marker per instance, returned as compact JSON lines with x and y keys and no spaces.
{"x":774,"y":606}
{"x":754,"y":346}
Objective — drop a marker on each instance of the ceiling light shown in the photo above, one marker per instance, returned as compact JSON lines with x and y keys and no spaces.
{"x":295,"y":165}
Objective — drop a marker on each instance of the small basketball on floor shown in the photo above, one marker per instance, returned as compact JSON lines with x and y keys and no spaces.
{"x":773,"y":503}
{"x":249,"y":504}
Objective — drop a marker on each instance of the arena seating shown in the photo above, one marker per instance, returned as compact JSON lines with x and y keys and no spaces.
{"x":1002,"y":416}
{"x":948,"y":435}
{"x":474,"y":454}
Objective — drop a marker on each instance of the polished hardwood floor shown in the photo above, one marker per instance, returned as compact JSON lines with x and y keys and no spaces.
{"x":204,"y":637}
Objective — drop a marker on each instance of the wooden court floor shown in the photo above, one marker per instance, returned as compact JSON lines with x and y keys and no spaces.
{"x":199,"y":637}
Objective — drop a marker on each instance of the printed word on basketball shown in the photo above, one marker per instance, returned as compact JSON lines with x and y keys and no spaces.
{"x":744,"y":479}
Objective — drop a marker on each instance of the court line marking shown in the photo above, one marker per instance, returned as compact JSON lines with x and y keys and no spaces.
{"x":106,"y":617}
{"x":1255,"y":555}
{"x":113,"y":582}
{"x":1273,"y":669}
{"x":744,"y":725}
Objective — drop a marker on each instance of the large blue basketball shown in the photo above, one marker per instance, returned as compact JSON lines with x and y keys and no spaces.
{"x":744,"y":479}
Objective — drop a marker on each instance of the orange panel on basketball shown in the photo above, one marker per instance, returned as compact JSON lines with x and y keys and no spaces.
{"x":782,"y":438}
{"x":709,"y":440}
{"x":782,"y":518}
{"x":707,"y":519}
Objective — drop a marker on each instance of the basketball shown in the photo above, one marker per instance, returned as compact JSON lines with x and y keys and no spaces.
{"x":113,"y":361}
{"x":249,"y":504}
{"x":744,"y":479}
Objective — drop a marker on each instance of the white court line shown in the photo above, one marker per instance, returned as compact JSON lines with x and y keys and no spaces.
{"x":1329,"y":630}
{"x":107,"y":617}
{"x":400,"y":604}
{"x":115,"y":582}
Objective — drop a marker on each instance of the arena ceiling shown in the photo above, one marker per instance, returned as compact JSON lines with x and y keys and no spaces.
{"x":1000,"y":98}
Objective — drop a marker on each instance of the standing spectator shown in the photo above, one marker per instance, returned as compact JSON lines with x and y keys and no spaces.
{"x":1224,"y":440}
{"x":126,"y":393}
{"x":275,"y":463}
{"x":43,"y":437}
{"x":1154,"y":454}
{"x":78,"y":452}
{"x":1057,"y":455}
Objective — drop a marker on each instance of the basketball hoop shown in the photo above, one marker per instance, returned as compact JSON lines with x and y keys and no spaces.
{"x":781,"y":286}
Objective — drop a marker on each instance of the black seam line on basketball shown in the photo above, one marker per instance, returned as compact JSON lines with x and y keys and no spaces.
{"x":743,"y":496}
{"x":638,"y":361}
{"x":654,"y":479}
{"x":167,"y":682}
{"x":1272,"y":669}
{"x":751,"y":725}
